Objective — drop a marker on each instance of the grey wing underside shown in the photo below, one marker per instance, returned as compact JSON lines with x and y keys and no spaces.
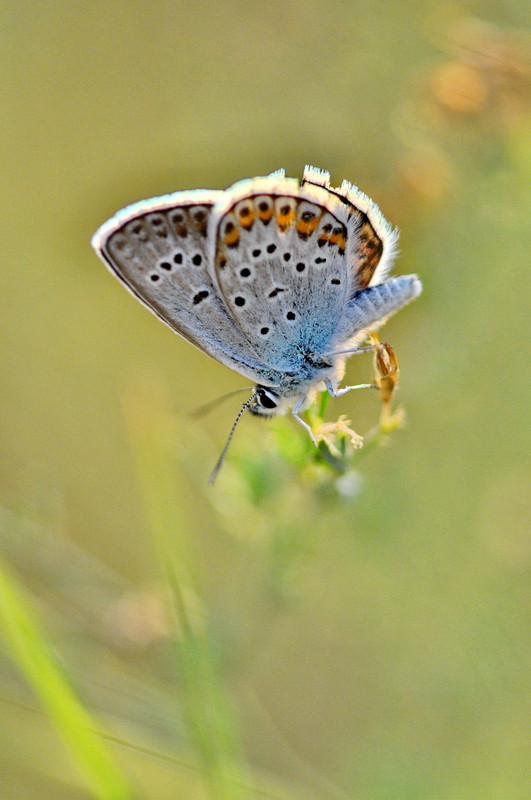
{"x":370,"y":308}
{"x":161,"y":251}
{"x":295,"y":264}
{"x":281,"y":265}
{"x":262,"y":274}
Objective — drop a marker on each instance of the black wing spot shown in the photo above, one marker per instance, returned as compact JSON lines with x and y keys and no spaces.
{"x":197,"y":259}
{"x":165,"y":265}
{"x":287,"y":256}
{"x":239,"y":301}
{"x":300,"y":267}
{"x":291,"y":316}
{"x":335,"y":281}
{"x":276,"y":291}
{"x":245,"y":272}
{"x":178,"y":258}
{"x":200,"y":296}
{"x":271,"y":248}
{"x":320,"y":260}
{"x":256,"y":252}
{"x":157,"y":223}
{"x":154,"y":277}
{"x":264,"y":331}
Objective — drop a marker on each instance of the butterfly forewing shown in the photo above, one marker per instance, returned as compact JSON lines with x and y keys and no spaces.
{"x":162,"y":253}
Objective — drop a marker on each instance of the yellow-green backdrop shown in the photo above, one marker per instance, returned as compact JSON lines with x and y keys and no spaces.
{"x":382,"y":656}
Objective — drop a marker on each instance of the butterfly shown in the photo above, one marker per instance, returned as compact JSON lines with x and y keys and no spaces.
{"x":278,"y":279}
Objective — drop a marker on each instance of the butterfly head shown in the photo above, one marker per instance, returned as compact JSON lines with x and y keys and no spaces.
{"x":265,"y":402}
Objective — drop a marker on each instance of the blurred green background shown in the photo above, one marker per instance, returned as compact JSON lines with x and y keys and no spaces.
{"x":373,"y":647}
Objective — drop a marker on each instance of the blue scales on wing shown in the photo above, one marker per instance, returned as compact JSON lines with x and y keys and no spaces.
{"x":281,"y":265}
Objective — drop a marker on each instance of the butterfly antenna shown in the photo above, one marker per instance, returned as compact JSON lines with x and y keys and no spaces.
{"x":202,"y":411}
{"x":219,"y":463}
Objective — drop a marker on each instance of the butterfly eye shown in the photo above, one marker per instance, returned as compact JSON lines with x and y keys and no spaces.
{"x":265,"y":398}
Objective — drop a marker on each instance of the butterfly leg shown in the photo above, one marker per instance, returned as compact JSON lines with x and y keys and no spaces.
{"x":335,"y":392}
{"x":353,"y":351}
{"x":299,"y":405}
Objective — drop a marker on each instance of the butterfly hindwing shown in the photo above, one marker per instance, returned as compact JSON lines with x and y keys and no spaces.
{"x":280,"y":262}
{"x":373,"y":240}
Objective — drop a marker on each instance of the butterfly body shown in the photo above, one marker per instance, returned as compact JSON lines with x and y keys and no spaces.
{"x":275,"y":278}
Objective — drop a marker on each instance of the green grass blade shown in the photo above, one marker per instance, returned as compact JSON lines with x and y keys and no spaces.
{"x":29,"y":648}
{"x":152,"y":430}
